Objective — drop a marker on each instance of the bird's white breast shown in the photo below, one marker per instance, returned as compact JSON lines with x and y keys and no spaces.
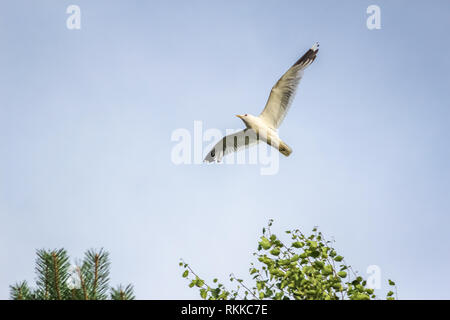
{"x":265,"y":132}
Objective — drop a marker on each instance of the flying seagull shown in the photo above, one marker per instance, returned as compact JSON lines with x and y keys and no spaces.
{"x":264,"y":127}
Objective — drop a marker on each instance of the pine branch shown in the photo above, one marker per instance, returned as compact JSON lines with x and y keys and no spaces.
{"x":121,"y":293}
{"x":52,"y":269}
{"x":20,"y":291}
{"x":57,"y":280}
{"x":95,"y":270}
{"x":56,"y":275}
{"x":42,"y":272}
{"x":83,"y":284}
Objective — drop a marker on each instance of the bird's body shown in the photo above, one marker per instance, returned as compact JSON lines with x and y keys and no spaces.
{"x":264,"y":127}
{"x":265,"y":133}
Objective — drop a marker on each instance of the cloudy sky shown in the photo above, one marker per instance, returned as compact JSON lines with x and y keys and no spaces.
{"x":86,"y":118}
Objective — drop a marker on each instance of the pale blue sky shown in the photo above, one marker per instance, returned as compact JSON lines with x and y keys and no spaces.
{"x":86,"y":118}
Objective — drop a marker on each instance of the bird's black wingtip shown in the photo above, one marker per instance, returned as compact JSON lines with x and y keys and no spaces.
{"x":309,"y":56}
{"x":315,"y":47}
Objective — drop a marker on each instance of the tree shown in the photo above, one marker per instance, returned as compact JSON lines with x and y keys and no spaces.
{"x":307,"y":269}
{"x":57,"y":279}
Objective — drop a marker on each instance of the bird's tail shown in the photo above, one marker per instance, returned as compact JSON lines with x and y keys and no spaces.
{"x":284,"y":149}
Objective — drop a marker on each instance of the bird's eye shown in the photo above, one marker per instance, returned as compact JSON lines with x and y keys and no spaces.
{"x":213,"y":153}
{"x":245,"y":115}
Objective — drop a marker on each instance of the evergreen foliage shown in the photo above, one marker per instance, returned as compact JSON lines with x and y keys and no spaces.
{"x":57,"y":279}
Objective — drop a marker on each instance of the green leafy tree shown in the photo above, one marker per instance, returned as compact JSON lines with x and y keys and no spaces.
{"x":57,"y":279}
{"x":309,"y":268}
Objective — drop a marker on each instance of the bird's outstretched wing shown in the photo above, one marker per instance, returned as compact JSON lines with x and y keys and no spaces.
{"x":284,"y":90}
{"x":232,"y":143}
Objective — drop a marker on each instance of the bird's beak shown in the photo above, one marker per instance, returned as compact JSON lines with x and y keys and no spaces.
{"x":239,"y":116}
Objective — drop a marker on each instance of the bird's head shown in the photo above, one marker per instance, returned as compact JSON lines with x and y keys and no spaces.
{"x":244,"y":117}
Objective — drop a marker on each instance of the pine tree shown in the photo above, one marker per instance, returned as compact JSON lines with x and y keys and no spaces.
{"x":57,"y":279}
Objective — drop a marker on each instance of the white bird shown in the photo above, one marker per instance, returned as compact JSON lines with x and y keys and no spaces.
{"x":264,"y":127}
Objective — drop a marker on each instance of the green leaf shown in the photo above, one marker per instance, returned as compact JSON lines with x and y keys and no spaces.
{"x":362,"y":296}
{"x":199,"y":283}
{"x":327,"y":270}
{"x":342,"y":274}
{"x":319,"y":264}
{"x":337,"y":286}
{"x":297,"y":244}
{"x":283,"y":262}
{"x":259,"y":285}
{"x":185,"y":273}
{"x":391,"y":283}
{"x":275,"y":251}
{"x":265,"y":243}
{"x":313,"y":244}
{"x":338,"y":258}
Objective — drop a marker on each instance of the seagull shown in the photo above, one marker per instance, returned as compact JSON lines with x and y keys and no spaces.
{"x":264,"y":127}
